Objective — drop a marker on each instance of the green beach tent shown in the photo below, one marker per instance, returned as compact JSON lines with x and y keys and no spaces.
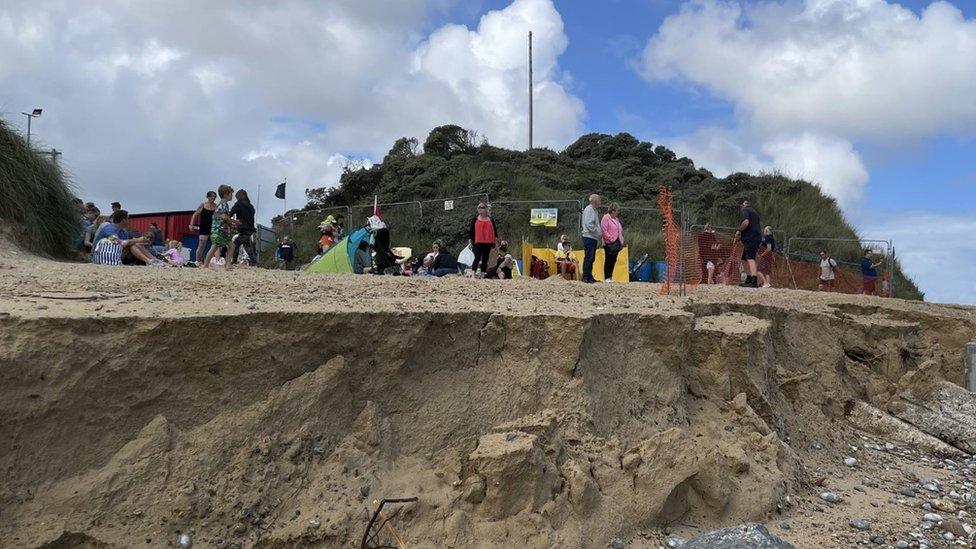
{"x":340,"y":258}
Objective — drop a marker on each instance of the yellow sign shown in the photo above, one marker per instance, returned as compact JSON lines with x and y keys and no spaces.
{"x":544,"y":217}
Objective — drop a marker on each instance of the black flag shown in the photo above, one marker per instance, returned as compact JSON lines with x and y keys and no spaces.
{"x":280,"y":191}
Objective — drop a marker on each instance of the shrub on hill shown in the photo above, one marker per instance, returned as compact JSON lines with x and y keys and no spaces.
{"x":36,"y":202}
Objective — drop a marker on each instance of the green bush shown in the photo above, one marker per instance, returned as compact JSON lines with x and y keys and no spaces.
{"x":36,"y":201}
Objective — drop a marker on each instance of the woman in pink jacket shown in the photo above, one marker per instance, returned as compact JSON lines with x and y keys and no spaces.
{"x":613,"y":240}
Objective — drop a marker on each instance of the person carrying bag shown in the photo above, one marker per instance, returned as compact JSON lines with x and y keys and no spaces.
{"x":613,"y":240}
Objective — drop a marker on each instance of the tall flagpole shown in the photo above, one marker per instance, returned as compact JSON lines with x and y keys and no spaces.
{"x":257,"y":207}
{"x":530,"y":91}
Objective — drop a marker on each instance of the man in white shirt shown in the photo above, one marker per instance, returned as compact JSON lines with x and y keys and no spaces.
{"x":828,"y":272}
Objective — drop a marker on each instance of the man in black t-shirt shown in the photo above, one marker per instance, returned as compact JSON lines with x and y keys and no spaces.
{"x":751,"y":237}
{"x":243,"y":215}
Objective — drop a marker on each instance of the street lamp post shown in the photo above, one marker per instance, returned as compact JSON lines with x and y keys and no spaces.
{"x":30,"y":116}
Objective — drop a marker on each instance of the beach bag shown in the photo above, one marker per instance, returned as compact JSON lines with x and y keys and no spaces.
{"x":107,"y":252}
{"x":539,"y":269}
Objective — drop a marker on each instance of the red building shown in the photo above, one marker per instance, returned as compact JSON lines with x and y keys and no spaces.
{"x":175,"y":226}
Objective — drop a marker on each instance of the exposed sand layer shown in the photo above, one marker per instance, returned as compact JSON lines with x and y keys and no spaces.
{"x":270,"y":409}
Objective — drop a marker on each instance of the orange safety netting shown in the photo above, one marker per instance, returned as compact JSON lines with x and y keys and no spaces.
{"x":681,"y":256}
{"x":719,"y":257}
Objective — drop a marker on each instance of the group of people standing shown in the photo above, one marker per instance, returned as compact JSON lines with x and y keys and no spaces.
{"x":227,"y":228}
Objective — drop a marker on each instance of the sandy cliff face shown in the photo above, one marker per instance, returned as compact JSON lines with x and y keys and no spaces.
{"x":279,"y":425}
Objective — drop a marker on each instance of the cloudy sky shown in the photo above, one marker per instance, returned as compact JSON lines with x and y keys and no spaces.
{"x":153,"y":103}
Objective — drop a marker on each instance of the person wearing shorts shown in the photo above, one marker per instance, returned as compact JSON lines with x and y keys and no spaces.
{"x":828,"y":272}
{"x":220,"y":227}
{"x":869,"y":273}
{"x":202,"y":222}
{"x":752,"y":235}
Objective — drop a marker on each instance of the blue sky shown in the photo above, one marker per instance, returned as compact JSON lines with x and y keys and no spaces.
{"x":911,"y":178}
{"x":937,"y":173}
{"x":870,"y":99}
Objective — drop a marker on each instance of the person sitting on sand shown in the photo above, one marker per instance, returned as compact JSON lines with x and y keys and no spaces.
{"x":503,"y":265}
{"x":566,"y":264}
{"x":174,"y":254}
{"x":561,"y":242}
{"x":89,"y":225}
{"x":134,"y":250}
{"x":363,"y":262}
{"x":444,"y":262}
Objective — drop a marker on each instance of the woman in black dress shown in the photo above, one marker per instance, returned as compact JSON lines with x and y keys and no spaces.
{"x":202,"y":221}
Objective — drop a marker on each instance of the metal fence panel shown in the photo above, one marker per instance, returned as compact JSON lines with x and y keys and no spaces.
{"x":448,"y":219}
{"x":513,"y":216}
{"x":803,"y":256}
{"x":643,"y":231}
{"x":778,"y":234}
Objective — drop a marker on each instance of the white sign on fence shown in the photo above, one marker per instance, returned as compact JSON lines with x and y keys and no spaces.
{"x":448,"y":205}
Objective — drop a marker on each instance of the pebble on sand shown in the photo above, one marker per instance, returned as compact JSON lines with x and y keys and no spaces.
{"x":830,"y":497}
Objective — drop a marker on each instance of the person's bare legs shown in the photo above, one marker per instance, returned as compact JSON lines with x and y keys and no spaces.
{"x":752,"y":267}
{"x":210,"y":255}
{"x":229,"y":257}
{"x":201,"y":246}
{"x":141,"y":253}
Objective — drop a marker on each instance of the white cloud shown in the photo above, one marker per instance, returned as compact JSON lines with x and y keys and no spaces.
{"x":829,"y":162}
{"x":858,"y":68}
{"x":720,"y":152}
{"x":808,"y":78}
{"x":154,"y":108}
{"x":935,"y":248}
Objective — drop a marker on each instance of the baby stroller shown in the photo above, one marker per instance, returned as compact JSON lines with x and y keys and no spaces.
{"x":635,"y":272}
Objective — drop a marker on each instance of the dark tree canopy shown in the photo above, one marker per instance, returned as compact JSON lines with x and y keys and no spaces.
{"x":448,"y":140}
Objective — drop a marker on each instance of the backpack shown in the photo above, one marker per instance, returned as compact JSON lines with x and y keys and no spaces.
{"x":539,"y":269}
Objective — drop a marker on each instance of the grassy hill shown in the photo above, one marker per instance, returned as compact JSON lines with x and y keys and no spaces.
{"x":619,"y":167}
{"x":36,"y":203}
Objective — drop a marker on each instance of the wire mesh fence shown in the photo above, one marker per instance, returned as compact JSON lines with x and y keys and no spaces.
{"x":449,"y":220}
{"x":697,"y":249}
{"x":643,"y":230}
{"x":807,"y":267}
{"x":302,"y":226}
{"x":514,"y":220}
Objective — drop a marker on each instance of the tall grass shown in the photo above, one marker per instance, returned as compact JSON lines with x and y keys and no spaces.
{"x":36,"y":201}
